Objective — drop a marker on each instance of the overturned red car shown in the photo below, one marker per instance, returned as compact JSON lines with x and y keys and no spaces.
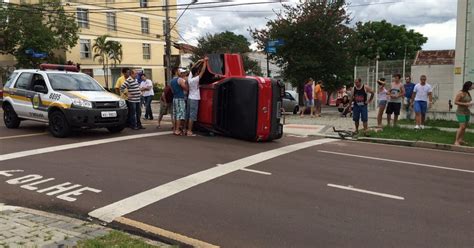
{"x":236,"y":105}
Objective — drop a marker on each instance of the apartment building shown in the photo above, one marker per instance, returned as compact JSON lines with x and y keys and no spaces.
{"x":138,"y":25}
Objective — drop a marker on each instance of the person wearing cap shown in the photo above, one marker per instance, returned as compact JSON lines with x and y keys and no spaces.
{"x":179,"y":86}
{"x":382,"y":100}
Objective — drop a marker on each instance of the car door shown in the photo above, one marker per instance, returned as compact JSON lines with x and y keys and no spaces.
{"x":287,"y":102}
{"x":19,"y":92}
{"x":37,"y":97}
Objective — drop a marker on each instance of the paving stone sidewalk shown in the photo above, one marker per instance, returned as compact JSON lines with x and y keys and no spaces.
{"x":22,"y":227}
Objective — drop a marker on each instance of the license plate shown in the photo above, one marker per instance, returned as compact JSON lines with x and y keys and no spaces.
{"x":108,"y":114}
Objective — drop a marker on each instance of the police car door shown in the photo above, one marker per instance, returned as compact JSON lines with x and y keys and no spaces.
{"x":38,"y":95}
{"x":21,"y":104}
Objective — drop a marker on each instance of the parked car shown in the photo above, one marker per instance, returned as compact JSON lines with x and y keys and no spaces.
{"x":290,"y":104}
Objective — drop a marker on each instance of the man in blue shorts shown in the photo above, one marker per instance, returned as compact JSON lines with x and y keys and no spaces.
{"x":360,"y":101}
{"x":419,"y":100}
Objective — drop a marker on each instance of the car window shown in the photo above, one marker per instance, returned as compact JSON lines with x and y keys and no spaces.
{"x":10,"y":79}
{"x":38,"y":79}
{"x":288,"y":96}
{"x":73,"y":82}
{"x":24,"y":81}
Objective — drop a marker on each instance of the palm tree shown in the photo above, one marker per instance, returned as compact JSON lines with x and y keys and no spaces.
{"x":106,"y":50}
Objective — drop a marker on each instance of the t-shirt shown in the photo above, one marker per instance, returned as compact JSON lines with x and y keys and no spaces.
{"x":147,"y":83}
{"x":118,"y":84}
{"x":133,"y":87}
{"x":317,"y":92}
{"x":308,"y":89}
{"x":409,"y":89}
{"x":422,"y":92}
{"x":194,"y":93}
{"x":395,"y":91}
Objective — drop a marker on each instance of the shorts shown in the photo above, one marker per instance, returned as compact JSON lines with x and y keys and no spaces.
{"x":166,"y":108}
{"x":393,"y":108}
{"x":317,"y":103}
{"x":309,"y":103}
{"x":463,"y":118}
{"x":420,"y":107}
{"x":382,"y":103}
{"x":192,"y":109}
{"x":360,"y":112}
{"x":179,"y":108}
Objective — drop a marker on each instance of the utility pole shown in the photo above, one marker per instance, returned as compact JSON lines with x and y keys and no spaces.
{"x":404,"y":61}
{"x":168,"y":43}
{"x":268,"y":66}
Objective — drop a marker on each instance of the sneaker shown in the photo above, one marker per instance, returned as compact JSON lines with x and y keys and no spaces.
{"x":417,"y":127}
{"x":422,"y":126}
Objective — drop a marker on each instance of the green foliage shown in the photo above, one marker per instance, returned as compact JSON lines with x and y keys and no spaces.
{"x":387,"y":40}
{"x":227,"y":42}
{"x":433,"y":123}
{"x":114,"y":239}
{"x":107,"y":50}
{"x":43,"y":27}
{"x":316,"y":45}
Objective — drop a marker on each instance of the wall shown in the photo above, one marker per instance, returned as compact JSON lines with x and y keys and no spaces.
{"x":438,"y":76}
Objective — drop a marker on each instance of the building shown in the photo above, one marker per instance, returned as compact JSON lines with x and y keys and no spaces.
{"x":464,"y":62}
{"x":438,"y":66}
{"x":138,"y":25}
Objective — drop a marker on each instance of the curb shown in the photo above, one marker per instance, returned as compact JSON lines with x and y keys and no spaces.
{"x":419,"y":144}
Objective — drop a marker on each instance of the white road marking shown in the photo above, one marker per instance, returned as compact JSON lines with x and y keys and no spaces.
{"x":77,"y":145}
{"x":397,"y":161}
{"x":257,"y":171}
{"x":366,"y":191}
{"x":253,"y":171}
{"x":22,"y":136}
{"x":110,"y":212}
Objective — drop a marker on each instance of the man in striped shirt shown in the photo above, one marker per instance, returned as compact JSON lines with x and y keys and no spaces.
{"x":133,"y":101}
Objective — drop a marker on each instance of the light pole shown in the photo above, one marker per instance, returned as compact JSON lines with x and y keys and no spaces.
{"x":167,"y":42}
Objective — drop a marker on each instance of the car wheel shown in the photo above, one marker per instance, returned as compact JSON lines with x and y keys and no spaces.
{"x":116,"y":129}
{"x":10,"y":118}
{"x":296,"y":110}
{"x":58,"y":125}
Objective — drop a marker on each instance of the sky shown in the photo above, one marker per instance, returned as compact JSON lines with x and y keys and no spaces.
{"x":435,"y":19}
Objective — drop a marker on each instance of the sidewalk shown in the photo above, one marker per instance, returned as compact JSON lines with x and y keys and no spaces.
{"x":22,"y":227}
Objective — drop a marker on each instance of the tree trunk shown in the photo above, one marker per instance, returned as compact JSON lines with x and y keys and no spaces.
{"x":300,"y":89}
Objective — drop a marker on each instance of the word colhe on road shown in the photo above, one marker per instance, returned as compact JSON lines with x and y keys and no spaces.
{"x":64,"y":191}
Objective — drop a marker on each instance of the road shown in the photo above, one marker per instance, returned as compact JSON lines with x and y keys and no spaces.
{"x":294,"y":192}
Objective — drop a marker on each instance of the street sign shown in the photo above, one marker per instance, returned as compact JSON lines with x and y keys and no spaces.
{"x":272,"y":44}
{"x":271,"y":50}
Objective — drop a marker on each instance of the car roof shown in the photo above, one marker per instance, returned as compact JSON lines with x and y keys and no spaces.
{"x":48,"y":71}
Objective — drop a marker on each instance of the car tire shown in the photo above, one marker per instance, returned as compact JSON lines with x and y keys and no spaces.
{"x":58,"y":125}
{"x":296,"y":110}
{"x":116,"y":129}
{"x":10,"y":118}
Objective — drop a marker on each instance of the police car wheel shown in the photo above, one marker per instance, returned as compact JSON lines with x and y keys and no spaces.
{"x":58,"y":125}
{"x":10,"y":118}
{"x":116,"y":129}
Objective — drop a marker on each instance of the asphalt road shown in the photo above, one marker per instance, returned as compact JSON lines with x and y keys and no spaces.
{"x":294,"y":192}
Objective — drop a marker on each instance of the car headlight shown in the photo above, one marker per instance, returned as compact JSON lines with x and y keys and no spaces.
{"x":79,"y":103}
{"x":122,"y":104}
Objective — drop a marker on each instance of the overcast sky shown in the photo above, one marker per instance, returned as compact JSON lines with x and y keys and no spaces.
{"x":435,"y":19}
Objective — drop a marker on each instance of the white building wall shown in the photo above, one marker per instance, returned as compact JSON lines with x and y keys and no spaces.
{"x":441,"y":77}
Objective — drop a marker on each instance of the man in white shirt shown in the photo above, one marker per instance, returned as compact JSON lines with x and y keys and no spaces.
{"x":194,"y":95}
{"x":419,"y":100}
{"x":146,"y":87}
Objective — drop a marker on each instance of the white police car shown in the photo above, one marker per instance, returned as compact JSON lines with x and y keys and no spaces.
{"x":64,"y":98}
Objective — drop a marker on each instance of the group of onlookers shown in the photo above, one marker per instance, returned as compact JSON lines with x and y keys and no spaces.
{"x":313,"y":96}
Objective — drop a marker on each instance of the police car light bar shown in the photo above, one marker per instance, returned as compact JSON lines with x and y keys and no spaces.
{"x":71,"y":68}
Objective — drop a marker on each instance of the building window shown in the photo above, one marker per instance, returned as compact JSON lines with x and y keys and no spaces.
{"x":144,"y":3}
{"x":85,"y":49}
{"x":83,"y":18}
{"x":146,"y":51}
{"x":145,"y":25}
{"x":111,"y":21}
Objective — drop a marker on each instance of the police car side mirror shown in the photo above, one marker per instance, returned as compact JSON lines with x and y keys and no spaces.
{"x":40,"y":89}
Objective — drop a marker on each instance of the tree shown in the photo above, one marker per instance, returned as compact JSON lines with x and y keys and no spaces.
{"x":42,"y":27}
{"x":227,"y":42}
{"x":316,"y":36}
{"x":106,"y":50}
{"x":386,"y":40}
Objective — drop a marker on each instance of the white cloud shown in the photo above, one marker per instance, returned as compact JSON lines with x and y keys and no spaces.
{"x":435,"y":19}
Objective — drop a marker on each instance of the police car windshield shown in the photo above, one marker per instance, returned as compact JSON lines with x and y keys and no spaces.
{"x":73,"y":82}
